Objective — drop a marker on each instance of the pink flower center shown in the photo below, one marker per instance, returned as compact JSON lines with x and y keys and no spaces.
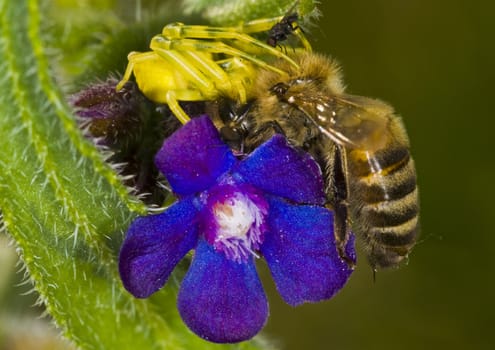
{"x":239,"y":225}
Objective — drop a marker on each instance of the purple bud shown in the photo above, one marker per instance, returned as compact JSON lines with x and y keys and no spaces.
{"x":111,"y":114}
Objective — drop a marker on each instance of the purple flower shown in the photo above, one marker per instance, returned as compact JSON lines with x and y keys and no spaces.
{"x":231,"y":211}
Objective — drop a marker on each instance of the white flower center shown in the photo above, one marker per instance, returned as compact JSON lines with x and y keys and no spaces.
{"x":239,"y":221}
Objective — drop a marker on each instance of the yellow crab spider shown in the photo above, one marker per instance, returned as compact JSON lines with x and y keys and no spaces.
{"x":202,"y":63}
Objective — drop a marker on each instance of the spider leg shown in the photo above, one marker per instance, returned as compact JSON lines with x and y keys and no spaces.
{"x":302,"y":38}
{"x":166,"y":44}
{"x":182,"y":65}
{"x":225,"y":83}
{"x":200,"y":70}
{"x":178,"y":32}
{"x":173,"y":96}
{"x":130,"y":67}
{"x":265,"y":24}
{"x":259,"y":25}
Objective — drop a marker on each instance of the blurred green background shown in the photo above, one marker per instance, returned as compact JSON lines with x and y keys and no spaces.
{"x":433,"y":61}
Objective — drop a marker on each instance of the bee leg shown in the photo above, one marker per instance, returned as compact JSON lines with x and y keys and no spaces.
{"x":240,"y":124}
{"x":262,"y":133}
{"x":341,"y":227}
{"x":338,"y":188}
{"x":272,"y":126}
{"x":233,"y":122}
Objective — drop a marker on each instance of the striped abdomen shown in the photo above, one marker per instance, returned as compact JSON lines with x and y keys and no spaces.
{"x":384,"y":202}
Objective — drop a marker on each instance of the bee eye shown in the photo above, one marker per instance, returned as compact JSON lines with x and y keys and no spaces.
{"x":279,"y":89}
{"x":229,"y":134}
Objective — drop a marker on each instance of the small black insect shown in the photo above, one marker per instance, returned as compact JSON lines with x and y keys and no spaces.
{"x":281,"y":30}
{"x":287,"y":26}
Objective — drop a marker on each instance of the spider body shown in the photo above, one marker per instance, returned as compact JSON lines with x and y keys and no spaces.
{"x":203,"y":63}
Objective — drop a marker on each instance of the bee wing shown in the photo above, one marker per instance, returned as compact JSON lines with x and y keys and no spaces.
{"x":349,"y":120}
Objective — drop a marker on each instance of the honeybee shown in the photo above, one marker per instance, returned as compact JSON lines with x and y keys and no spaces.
{"x":360,"y":143}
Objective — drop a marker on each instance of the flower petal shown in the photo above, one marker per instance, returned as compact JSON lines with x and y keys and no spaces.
{"x":285,"y":171}
{"x":222,"y":300}
{"x":154,"y":245}
{"x":301,"y":254}
{"x":194,"y":156}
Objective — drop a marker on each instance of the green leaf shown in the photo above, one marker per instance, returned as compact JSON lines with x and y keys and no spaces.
{"x":67,"y":209}
{"x":226,"y":12}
